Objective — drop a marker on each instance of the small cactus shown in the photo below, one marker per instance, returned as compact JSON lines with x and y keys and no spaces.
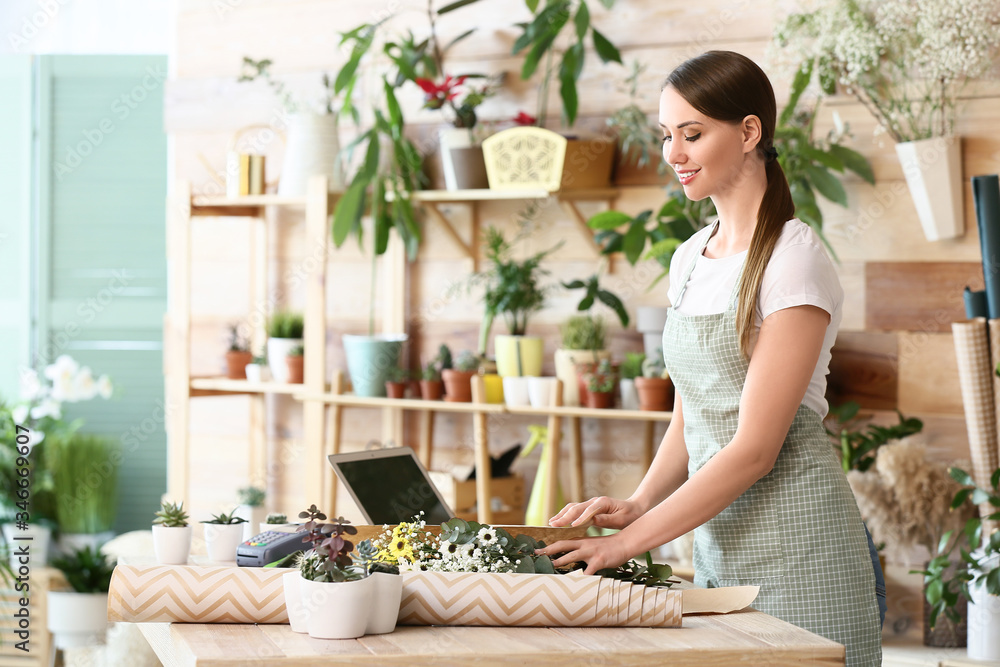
{"x":276,"y":518}
{"x":171,"y":516}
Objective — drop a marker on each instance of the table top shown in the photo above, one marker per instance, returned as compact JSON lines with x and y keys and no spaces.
{"x":704,"y":641}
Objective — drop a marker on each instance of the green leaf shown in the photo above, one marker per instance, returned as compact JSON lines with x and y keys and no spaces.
{"x":586,"y":302}
{"x":995,"y":478}
{"x":934,"y":590}
{"x":458,"y":4}
{"x":960,"y":498}
{"x":582,"y":21}
{"x":608,"y":4}
{"x":459,"y":38}
{"x":823,"y":157}
{"x":543,"y":565}
{"x":525,"y":566}
{"x":961,"y":477}
{"x":827,"y":184}
{"x":979,"y":496}
{"x":799,"y":84}
{"x":532,"y":5}
{"x":615,"y":304}
{"x":606,"y":51}
{"x":575,"y":284}
{"x":572,"y":62}
{"x":609,"y":220}
{"x":395,"y":114}
{"x":369,"y":167}
{"x":349,"y":210}
{"x":854,"y":161}
{"x":943,"y":542}
{"x":663,"y":249}
{"x":635,"y":240}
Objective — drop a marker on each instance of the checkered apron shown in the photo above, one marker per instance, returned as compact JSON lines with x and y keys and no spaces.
{"x":797,"y":532}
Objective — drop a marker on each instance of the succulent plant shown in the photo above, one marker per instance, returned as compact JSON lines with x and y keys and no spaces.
{"x":87,"y":570}
{"x":275,"y":518}
{"x":171,"y":515}
{"x":330,"y":558}
{"x":226,"y":519}
{"x":466,"y":361}
{"x":252,"y":495}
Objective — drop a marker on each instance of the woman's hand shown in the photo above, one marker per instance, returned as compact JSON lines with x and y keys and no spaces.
{"x":597,"y":552}
{"x":603,"y":512}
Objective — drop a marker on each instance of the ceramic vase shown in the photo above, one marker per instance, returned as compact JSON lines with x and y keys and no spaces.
{"x":313,"y":145}
{"x":337,"y":610}
{"x":933,"y":170}
{"x":388,"y":592}
{"x":172,"y":544}
{"x":369,"y":359}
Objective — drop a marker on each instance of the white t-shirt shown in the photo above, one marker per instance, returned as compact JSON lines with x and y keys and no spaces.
{"x":799,"y":273}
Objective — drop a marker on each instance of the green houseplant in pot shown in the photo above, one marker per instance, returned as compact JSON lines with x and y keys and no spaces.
{"x":431,"y":385}
{"x":238,"y":355}
{"x":337,"y":593}
{"x":85,"y":471}
{"x":601,"y":385}
{"x":396,"y":381}
{"x":171,"y":534}
{"x":295,"y":362}
{"x":630,"y":369}
{"x":223,"y":534}
{"x":284,"y":333}
{"x":458,"y":379}
{"x":654,"y":387}
{"x":80,"y":617}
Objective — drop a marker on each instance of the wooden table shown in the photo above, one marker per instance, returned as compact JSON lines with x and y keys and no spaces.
{"x":747,"y":637}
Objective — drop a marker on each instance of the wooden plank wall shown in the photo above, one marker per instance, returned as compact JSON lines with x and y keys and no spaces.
{"x":895,"y":349}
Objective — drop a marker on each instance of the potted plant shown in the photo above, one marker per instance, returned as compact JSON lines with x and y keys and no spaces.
{"x":313,"y":141}
{"x":431,"y":386}
{"x":639,"y":139}
{"x":238,"y":355}
{"x":601,"y":386}
{"x":458,"y":380}
{"x":396,"y":379}
{"x":223,"y":534}
{"x":276,"y":521}
{"x":512,"y":291}
{"x":171,"y":534}
{"x":251,"y":508}
{"x":284,"y":333}
{"x":630,"y":369}
{"x":654,"y":387}
{"x":257,"y":370}
{"x":337,"y":594}
{"x":295,"y":361}
{"x":85,"y":512}
{"x":80,"y":617}
{"x":906,"y":65}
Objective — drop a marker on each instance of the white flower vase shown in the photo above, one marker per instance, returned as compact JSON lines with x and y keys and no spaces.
{"x":172,"y":544}
{"x":222,"y":540}
{"x":983,"y":634}
{"x":34,"y":540}
{"x":385,"y":603}
{"x":77,"y":619}
{"x":277,"y":350}
{"x":630,"y":397}
{"x":933,"y":170}
{"x":298,"y":615}
{"x":448,"y":138}
{"x":254,"y":517}
{"x":337,"y":610}
{"x":313,"y":145}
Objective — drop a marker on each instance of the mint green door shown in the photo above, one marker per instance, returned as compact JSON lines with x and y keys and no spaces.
{"x":101,"y":256}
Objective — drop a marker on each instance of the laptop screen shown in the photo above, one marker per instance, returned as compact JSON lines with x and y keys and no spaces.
{"x":390,"y":486}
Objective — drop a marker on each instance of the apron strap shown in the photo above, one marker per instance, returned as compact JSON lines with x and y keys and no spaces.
{"x":690,"y":269}
{"x":734,"y":297}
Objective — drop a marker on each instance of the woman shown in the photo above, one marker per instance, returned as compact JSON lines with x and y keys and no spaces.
{"x":756,"y":305}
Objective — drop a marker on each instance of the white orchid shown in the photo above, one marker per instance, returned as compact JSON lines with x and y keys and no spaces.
{"x":104,"y":387}
{"x":47,"y":408}
{"x":31,"y":385}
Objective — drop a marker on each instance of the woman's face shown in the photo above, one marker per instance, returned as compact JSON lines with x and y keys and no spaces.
{"x":706,"y":154}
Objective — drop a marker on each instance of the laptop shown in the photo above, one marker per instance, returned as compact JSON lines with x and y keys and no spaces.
{"x":390,"y":485}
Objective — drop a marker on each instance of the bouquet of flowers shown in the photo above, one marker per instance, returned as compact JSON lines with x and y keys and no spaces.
{"x":904,"y":60}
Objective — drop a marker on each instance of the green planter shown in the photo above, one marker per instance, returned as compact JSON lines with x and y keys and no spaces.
{"x":369,"y":359}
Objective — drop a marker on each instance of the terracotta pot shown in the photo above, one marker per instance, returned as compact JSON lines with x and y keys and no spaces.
{"x":457,"y":385}
{"x":236,"y":364}
{"x":395,"y":389}
{"x":655,"y":394}
{"x":600,"y":399}
{"x":296,"y":366}
{"x":431,"y":390}
{"x":583,"y":371}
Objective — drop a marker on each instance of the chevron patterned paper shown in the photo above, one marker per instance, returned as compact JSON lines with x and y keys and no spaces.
{"x":197,"y":594}
{"x":468,"y":598}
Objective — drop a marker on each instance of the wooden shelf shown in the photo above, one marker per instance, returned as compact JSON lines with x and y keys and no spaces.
{"x":350,"y":400}
{"x":462,"y":196}
{"x":249,"y":206}
{"x":592,"y":413}
{"x":220,"y":386}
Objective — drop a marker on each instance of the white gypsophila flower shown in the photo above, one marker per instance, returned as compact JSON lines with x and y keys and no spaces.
{"x":31,"y":386}
{"x":19,"y":413}
{"x":84,"y":387}
{"x":104,"y":387}
{"x":47,"y":408}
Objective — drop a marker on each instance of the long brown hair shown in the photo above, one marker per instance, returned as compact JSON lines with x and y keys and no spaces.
{"x":728,"y":87}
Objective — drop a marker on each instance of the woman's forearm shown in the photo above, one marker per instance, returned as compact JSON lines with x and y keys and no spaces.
{"x":668,"y":470}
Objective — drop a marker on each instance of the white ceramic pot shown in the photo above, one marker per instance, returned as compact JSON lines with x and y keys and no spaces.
{"x":298,"y":615}
{"x":515,"y":391}
{"x":257,"y":373}
{"x":77,"y":619}
{"x":630,"y":397}
{"x":983,"y":624}
{"x":34,"y":539}
{"x":933,"y":170}
{"x":337,"y":610}
{"x":254,"y":516}
{"x":540,"y":391}
{"x":649,"y":321}
{"x":172,"y":545}
{"x":277,"y":350}
{"x":566,"y":361}
{"x":222,"y":540}
{"x":313,"y":144}
{"x":388,"y":591}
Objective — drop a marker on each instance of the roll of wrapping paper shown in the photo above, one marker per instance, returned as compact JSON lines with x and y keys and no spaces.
{"x":975,"y":304}
{"x":196,"y":594}
{"x":535,"y":600}
{"x":986,"y":195}
{"x":976,"y":378}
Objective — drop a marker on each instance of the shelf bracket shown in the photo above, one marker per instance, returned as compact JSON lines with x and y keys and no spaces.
{"x":573,"y":211}
{"x":450,"y":230}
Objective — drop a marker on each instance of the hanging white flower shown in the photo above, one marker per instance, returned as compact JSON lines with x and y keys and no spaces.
{"x":104,"y":387}
{"x":47,"y":408}
{"x":84,"y":387}
{"x":31,"y":385}
{"x":62,"y":373}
